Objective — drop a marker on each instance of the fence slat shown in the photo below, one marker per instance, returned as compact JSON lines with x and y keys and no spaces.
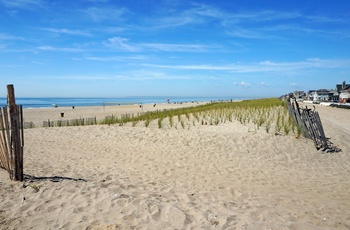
{"x":311,"y":124}
{"x":8,"y":142}
{"x":12,"y":137}
{"x":20,"y":142}
{"x":4,"y":162}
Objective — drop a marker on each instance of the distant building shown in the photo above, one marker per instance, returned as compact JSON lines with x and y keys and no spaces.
{"x":320,"y":95}
{"x":344,"y":96}
{"x":341,"y":93}
{"x":310,"y":95}
{"x":334,"y":95}
{"x":338,"y":89}
{"x":299,"y":94}
{"x":342,"y":86}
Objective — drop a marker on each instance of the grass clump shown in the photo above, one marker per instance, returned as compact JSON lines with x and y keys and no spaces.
{"x":182,"y":122}
{"x":171,"y":121}
{"x":160,"y":122}
{"x":36,"y":188}
{"x":271,"y":112}
{"x":147,"y":122}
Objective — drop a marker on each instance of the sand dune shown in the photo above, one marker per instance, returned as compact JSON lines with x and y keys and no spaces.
{"x":197,"y":177}
{"x":38,"y":116}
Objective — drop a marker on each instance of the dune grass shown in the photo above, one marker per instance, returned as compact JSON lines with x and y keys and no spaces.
{"x":269,"y":112}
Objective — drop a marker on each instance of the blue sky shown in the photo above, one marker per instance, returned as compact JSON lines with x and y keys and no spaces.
{"x":112,"y":48}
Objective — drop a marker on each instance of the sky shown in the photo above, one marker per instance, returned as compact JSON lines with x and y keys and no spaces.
{"x":222,"y":48}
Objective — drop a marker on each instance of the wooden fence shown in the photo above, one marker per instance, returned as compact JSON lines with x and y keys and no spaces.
{"x":72,"y":122}
{"x":310,"y":123}
{"x":11,"y":137}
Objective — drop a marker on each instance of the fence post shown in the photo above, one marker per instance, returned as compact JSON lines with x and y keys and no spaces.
{"x":17,"y":148}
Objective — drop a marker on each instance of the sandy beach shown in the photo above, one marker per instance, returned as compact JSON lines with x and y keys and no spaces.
{"x":222,"y":176}
{"x":38,"y":116}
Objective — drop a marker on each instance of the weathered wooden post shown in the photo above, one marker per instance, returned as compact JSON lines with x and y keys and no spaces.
{"x":16,"y":134}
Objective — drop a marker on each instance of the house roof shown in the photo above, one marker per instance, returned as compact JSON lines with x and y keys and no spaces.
{"x":323,"y":91}
{"x":339,"y":87}
{"x":347,"y":89}
{"x":299,"y":92}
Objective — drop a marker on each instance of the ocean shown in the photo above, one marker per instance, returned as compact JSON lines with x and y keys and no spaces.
{"x":77,"y":102}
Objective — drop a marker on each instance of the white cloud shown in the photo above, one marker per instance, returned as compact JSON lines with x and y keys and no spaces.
{"x":111,"y":14}
{"x":9,"y":37}
{"x":236,"y":22}
{"x":244,"y":84}
{"x":50,"y":48}
{"x":140,"y":75}
{"x":192,"y":67}
{"x":67,"y":31}
{"x":175,"y":47}
{"x":119,"y":58}
{"x":169,"y":21}
{"x":38,"y":63}
{"x":251,"y":34}
{"x":265,"y":66}
{"x":123,"y":44}
{"x":120,"y":43}
{"x":21,"y":3}
{"x":195,"y":15}
{"x":235,"y":18}
{"x":81,"y":78}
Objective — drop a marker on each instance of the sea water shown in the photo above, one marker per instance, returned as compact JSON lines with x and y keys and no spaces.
{"x":64,"y":102}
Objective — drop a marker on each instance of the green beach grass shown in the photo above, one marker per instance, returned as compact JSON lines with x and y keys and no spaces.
{"x":260,"y":112}
{"x":270,"y":113}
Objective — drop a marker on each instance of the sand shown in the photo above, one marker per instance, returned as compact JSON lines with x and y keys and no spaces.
{"x":225,"y":176}
{"x":38,"y":116}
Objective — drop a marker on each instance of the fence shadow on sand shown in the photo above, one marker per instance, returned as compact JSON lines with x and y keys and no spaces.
{"x":30,"y":178}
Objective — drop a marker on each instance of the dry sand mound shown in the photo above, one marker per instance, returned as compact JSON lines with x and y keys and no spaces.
{"x":203,"y":177}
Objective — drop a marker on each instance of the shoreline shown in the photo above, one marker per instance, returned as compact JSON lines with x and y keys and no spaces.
{"x":39,"y":115}
{"x":112,"y":104}
{"x":87,"y":102}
